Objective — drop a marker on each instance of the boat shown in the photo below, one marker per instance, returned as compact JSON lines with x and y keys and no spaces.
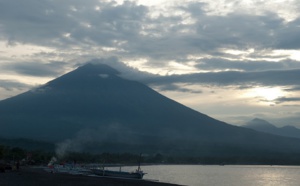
{"x":68,"y":169}
{"x":138,"y":174}
{"x":87,"y":170}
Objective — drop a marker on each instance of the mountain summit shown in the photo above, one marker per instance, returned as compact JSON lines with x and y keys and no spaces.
{"x":95,"y":106}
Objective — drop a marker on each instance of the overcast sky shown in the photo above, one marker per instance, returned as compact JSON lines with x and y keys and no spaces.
{"x":232,"y":60}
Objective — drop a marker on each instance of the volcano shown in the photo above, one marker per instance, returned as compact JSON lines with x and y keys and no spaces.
{"x":94,"y":105}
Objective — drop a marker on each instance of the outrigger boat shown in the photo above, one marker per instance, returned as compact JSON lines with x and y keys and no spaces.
{"x":86,"y":170}
{"x":138,"y":174}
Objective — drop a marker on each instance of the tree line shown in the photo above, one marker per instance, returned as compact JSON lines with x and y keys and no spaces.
{"x":42,"y":157}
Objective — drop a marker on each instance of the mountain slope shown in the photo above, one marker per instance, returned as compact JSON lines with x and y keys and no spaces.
{"x":94,"y":106}
{"x":97,"y":96}
{"x":264,"y":126}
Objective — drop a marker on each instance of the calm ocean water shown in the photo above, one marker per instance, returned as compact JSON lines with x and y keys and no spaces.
{"x":200,"y":175}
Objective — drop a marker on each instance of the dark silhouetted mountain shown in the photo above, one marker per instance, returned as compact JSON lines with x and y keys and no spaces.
{"x":264,"y":126}
{"x":92,"y":108}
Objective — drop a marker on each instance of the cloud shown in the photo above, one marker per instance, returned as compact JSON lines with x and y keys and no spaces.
{"x":240,"y":79}
{"x":177,"y":88}
{"x":214,"y":64}
{"x":287,"y":35}
{"x":65,"y":24}
{"x":294,"y":88}
{"x":10,"y":85}
{"x":126,"y":71}
{"x":286,"y":99}
{"x":266,"y":78}
{"x":130,"y":29}
{"x":94,"y":29}
{"x":52,"y":68}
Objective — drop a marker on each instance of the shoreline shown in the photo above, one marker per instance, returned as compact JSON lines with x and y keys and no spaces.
{"x":28,"y":176}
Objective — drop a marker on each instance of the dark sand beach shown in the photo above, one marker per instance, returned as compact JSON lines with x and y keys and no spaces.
{"x":37,"y":177}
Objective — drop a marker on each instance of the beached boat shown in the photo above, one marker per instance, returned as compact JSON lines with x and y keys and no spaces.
{"x":138,"y":174}
{"x":87,"y":170}
{"x":68,"y":169}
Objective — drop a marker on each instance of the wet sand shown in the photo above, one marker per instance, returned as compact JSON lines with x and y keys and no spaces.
{"x":38,"y":177}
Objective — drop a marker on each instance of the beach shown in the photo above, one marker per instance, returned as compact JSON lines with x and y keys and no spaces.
{"x":28,"y":176}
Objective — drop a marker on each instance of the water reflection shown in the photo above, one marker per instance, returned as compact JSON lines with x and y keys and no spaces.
{"x":270,"y":176}
{"x":195,"y":175}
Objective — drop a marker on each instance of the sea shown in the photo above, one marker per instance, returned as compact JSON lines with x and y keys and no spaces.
{"x":219,"y":175}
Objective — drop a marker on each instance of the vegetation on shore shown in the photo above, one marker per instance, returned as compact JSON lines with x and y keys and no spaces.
{"x":42,"y":157}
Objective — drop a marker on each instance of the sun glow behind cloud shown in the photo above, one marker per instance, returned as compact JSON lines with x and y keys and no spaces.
{"x":265,"y":94}
{"x":292,"y":54}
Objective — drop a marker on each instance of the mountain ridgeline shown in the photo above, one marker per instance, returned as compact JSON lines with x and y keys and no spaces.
{"x":97,"y":110}
{"x":264,"y":126}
